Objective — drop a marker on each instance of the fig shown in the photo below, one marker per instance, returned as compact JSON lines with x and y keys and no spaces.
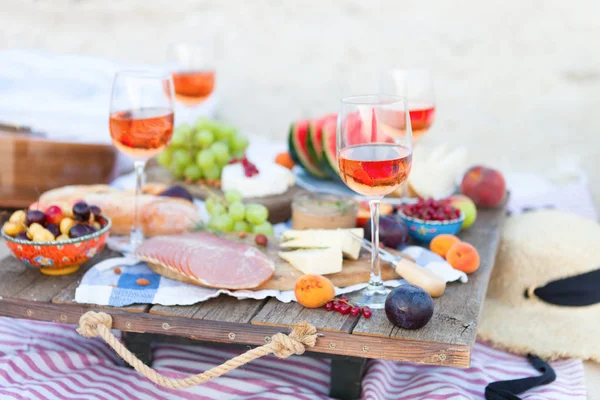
{"x":409,"y":307}
{"x":177,"y":191}
{"x":392,"y":231}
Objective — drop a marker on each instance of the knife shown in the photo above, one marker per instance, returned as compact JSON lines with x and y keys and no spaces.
{"x":410,"y":271}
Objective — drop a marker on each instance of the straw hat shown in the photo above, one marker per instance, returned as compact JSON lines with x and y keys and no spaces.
{"x":537,"y":248}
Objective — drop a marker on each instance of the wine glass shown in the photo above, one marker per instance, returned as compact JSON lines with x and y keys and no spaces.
{"x":417,"y":86}
{"x":193,"y":69}
{"x":141,"y":124}
{"x":374,"y":150}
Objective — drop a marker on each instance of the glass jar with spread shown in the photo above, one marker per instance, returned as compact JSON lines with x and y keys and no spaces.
{"x":323,"y":211}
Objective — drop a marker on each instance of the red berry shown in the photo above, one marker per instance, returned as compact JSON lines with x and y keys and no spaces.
{"x":329,"y":305}
{"x":367,"y":313}
{"x":336,"y":306}
{"x":343,"y":298}
{"x":355,"y":311}
{"x":344,"y":309}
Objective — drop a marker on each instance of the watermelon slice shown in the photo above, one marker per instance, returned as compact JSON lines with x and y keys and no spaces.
{"x":315,"y":141}
{"x":329,"y":147}
{"x":298,"y":146}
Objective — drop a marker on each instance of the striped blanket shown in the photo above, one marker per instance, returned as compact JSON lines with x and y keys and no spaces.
{"x":41,"y":360}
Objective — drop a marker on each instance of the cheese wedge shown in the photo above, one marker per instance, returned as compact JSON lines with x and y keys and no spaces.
{"x":315,"y":261}
{"x":324,"y":238}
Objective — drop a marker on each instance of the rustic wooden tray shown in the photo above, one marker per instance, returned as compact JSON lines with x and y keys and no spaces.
{"x":446,"y":340}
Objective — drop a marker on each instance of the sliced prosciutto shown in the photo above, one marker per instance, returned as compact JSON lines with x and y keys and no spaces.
{"x":208,"y":260}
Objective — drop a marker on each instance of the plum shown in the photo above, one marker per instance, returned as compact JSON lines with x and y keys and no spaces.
{"x":409,"y":307}
{"x":35,"y":216}
{"x":392,"y":231}
{"x":177,"y":191}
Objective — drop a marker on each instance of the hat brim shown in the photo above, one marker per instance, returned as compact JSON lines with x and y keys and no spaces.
{"x":546,"y":330}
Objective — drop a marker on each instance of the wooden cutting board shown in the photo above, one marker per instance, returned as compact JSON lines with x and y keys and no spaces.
{"x":285,"y":276}
{"x":280,"y":206}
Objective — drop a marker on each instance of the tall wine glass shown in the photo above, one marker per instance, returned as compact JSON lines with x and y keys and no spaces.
{"x":141,"y":124}
{"x":374,"y":150}
{"x":193,"y":67}
{"x":417,"y":86}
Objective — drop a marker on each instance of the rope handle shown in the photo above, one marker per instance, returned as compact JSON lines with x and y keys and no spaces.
{"x":303,"y":335}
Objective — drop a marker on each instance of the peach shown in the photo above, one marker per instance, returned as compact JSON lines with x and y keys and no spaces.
{"x":364,"y":212}
{"x":313,"y":291}
{"x":485,"y":186}
{"x":442,"y":243}
{"x":467,"y":207}
{"x":463,"y":257}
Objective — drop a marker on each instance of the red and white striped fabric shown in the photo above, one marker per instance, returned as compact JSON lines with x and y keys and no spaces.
{"x":51,"y":361}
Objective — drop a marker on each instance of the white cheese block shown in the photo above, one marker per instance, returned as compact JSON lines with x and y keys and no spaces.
{"x":316,"y":261}
{"x":272,"y":179}
{"x":323,"y":238}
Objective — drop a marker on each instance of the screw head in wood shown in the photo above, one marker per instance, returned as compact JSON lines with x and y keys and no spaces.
{"x":29,"y":313}
{"x":231,"y":336}
{"x":365,"y":349}
{"x":166,"y":326}
{"x":128,"y":325}
{"x":63,"y":317}
{"x":267,"y":339}
{"x":443,"y":357}
{"x":332,"y":345}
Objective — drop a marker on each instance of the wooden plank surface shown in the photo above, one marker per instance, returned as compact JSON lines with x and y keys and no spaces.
{"x":456,"y":313}
{"x":276,"y":313}
{"x":225,"y":332}
{"x":223,"y":308}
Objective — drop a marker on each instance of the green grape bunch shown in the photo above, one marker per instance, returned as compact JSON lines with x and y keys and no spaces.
{"x":199,"y":153}
{"x":230,"y":214}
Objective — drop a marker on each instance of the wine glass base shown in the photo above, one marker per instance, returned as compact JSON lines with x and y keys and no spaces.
{"x":372,"y":296}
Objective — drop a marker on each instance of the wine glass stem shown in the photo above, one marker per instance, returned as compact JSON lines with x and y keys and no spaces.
{"x":375,"y":266}
{"x":137,"y":234}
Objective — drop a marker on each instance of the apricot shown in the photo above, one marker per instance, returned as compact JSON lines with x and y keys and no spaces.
{"x":313,"y":291}
{"x":485,"y":186}
{"x":285,"y":160}
{"x":442,"y":243}
{"x":463,"y":257}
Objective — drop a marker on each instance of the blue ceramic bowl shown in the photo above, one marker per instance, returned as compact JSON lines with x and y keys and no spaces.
{"x":424,"y":231}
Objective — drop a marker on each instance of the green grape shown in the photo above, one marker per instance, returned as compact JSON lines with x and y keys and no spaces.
{"x":192,"y":172}
{"x":176,"y":170}
{"x":256,"y":214}
{"x":241,"y":226}
{"x":181,"y":135}
{"x":237,"y":211}
{"x":212,"y":172}
{"x":223,"y":223}
{"x":205,"y":158}
{"x":210,"y":203}
{"x":216,"y":209}
{"x":225,"y":132}
{"x":164,"y":158}
{"x":221,"y":152}
{"x":206,"y":124}
{"x":204,"y":138}
{"x":238,"y":155}
{"x":233,"y":196}
{"x":238,"y":143}
{"x":181,"y":158}
{"x":265,"y":228}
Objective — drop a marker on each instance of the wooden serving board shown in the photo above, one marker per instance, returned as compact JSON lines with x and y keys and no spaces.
{"x":285,"y":276}
{"x":280,"y":206}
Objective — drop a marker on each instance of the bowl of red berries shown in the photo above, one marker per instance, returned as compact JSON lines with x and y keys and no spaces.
{"x":428,"y":218}
{"x":58,"y":239}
